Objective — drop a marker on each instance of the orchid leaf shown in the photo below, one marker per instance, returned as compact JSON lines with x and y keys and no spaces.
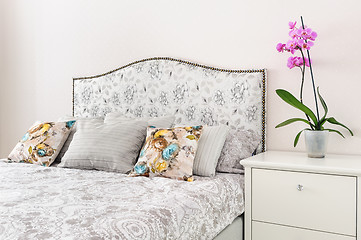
{"x":322,"y":121}
{"x":298,"y":137}
{"x":292,"y":120}
{"x":334,"y":121}
{"x":290,"y":99}
{"x":336,"y":131}
{"x":323,"y":104}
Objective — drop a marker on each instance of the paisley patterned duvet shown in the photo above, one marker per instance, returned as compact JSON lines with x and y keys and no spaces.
{"x":56,"y":203}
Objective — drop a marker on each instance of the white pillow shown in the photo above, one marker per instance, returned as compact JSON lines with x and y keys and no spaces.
{"x":105,"y":146}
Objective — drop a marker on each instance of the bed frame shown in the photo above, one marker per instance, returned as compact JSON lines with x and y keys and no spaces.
{"x":194,"y":93}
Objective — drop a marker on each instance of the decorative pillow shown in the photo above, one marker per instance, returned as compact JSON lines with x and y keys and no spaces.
{"x":209,"y":149}
{"x":159,"y":122}
{"x":239,"y":144}
{"x":71,"y":134}
{"x":107,"y":147}
{"x":41,"y":143}
{"x":168,"y":153}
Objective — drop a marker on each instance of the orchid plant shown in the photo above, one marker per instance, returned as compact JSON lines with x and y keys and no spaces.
{"x":301,"y":40}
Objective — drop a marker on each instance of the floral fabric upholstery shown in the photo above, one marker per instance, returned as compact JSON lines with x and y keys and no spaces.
{"x":195,"y":95}
{"x":168,"y":153}
{"x":41,"y":143}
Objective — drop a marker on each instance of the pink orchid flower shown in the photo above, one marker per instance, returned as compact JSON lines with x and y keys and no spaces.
{"x":291,"y":46}
{"x":292,"y":24}
{"x":291,"y":62}
{"x":304,"y":45}
{"x":293,"y":33}
{"x":299,"y":62}
{"x":313,"y":36}
{"x":300,"y":39}
{"x":304,"y":33}
{"x":296,"y":62}
{"x":280,"y":47}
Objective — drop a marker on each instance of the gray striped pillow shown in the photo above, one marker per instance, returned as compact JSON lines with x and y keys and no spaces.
{"x":209,"y":149}
{"x":109,"y":147}
{"x":71,"y":135}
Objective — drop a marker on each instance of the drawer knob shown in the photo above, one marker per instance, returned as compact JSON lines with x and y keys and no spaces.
{"x":299,"y":187}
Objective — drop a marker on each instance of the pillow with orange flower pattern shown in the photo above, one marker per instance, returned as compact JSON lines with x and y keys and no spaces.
{"x":41,"y":143}
{"x":168,"y":152}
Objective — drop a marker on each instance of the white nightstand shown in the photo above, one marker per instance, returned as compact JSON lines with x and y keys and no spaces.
{"x":290,"y":196}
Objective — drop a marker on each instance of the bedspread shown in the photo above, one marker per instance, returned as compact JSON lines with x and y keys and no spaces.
{"x":56,"y":203}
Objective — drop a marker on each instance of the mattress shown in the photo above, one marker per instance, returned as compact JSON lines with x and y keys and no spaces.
{"x":56,"y":203}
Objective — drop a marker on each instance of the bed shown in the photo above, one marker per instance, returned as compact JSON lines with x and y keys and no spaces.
{"x":39,"y":202}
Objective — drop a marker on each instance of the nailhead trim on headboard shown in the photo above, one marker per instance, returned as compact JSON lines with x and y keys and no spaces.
{"x":262,"y":71}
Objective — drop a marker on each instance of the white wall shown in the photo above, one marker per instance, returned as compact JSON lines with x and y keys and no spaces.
{"x":47,"y":42}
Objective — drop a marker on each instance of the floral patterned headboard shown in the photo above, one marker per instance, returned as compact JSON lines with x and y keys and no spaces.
{"x":194,"y":93}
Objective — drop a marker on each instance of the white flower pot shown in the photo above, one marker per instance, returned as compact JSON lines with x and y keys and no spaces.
{"x":316,"y":143}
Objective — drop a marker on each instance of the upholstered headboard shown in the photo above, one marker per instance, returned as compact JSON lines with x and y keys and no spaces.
{"x":194,"y":93}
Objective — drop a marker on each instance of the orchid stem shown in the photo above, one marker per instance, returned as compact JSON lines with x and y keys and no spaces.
{"x":303,"y":77}
{"x":313,"y":81}
{"x":302,"y":83}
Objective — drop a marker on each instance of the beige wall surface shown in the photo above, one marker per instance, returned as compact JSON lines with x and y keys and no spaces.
{"x":44,"y":43}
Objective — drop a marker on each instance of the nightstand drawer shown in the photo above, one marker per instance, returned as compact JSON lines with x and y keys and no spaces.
{"x":265,"y":231}
{"x":314,"y":201}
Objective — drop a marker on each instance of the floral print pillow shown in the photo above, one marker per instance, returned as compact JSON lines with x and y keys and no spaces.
{"x":168,"y":153}
{"x":41,"y":143}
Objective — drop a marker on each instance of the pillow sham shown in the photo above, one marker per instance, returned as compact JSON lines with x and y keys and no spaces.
{"x":209,"y":149}
{"x":168,"y":153}
{"x":107,"y":147}
{"x":239,"y":144}
{"x":159,"y":122}
{"x":41,"y":143}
